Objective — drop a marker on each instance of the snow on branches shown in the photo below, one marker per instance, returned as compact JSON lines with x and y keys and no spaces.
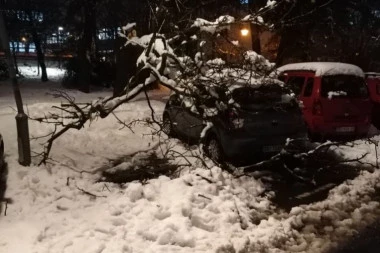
{"x":205,"y":83}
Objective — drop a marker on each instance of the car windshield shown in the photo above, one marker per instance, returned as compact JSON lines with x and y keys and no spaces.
{"x":262,"y":97}
{"x":343,"y":86}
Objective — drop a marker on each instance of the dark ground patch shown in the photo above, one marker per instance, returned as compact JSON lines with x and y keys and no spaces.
{"x":298,"y":176}
{"x":3,"y":183}
{"x":142,"y":166}
{"x":365,"y":241}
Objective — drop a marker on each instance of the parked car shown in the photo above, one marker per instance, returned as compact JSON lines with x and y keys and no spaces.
{"x":334,"y":95}
{"x":259,"y":127}
{"x":373,"y":83}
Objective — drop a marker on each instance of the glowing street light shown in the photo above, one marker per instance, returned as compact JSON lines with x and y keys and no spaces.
{"x":244,"y":32}
{"x":60,"y":28}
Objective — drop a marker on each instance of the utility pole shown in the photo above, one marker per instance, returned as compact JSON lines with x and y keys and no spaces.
{"x":24,"y":156}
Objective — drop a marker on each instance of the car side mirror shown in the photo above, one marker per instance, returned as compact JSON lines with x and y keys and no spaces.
{"x":210,"y":102}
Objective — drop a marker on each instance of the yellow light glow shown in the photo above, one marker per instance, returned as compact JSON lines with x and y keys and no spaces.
{"x":244,"y":32}
{"x":23,"y":39}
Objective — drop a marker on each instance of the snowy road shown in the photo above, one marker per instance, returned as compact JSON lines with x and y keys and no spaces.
{"x":200,"y":210}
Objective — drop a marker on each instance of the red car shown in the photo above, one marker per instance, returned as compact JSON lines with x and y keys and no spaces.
{"x":334,"y":95}
{"x":373,"y":83}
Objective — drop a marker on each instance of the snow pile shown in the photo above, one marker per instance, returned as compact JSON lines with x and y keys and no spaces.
{"x":62,"y":207}
{"x":31,"y":72}
{"x":349,"y":208}
{"x":219,"y":24}
{"x":128,"y":27}
{"x":324,"y":68}
{"x":258,"y":63}
{"x":332,"y":94}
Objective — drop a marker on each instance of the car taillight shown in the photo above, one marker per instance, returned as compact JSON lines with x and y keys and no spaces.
{"x":317,"y":108}
{"x":232,"y":114}
{"x":234,"y":119}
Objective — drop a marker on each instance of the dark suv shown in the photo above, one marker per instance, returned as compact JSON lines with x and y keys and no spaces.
{"x":259,"y":125}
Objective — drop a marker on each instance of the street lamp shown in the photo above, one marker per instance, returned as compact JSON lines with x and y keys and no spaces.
{"x":244,"y":32}
{"x":60,"y":29}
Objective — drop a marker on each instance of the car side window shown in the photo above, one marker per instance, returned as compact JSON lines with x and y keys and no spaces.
{"x":309,"y":87}
{"x":296,"y":83}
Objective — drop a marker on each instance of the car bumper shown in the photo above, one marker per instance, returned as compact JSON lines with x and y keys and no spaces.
{"x":240,"y":146}
{"x":319,"y":126}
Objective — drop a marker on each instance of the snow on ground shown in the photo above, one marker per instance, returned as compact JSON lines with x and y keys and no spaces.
{"x":201,"y":210}
{"x":31,"y":72}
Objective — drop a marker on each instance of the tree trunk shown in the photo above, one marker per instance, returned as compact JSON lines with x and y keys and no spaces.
{"x":281,"y":50}
{"x":37,"y":43}
{"x":40,"y":55}
{"x":85,"y":46}
{"x":15,"y":58}
{"x":255,"y":35}
{"x":21,"y":118}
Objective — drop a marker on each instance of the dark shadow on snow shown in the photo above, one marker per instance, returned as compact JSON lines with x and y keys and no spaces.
{"x":366,"y":240}
{"x":304,"y":173}
{"x":299,"y":175}
{"x":141,"y":166}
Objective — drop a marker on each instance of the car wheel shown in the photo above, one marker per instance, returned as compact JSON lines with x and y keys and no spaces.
{"x":214,"y":150}
{"x":167,"y":126}
{"x":314,"y":137}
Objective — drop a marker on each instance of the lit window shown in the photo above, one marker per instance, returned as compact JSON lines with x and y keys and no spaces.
{"x":106,"y":34}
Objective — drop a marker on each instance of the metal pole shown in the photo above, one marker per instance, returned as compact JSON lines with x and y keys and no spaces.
{"x":21,"y":117}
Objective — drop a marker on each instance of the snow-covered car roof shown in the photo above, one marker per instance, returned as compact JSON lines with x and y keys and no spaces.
{"x":372,"y":74}
{"x":324,"y":68}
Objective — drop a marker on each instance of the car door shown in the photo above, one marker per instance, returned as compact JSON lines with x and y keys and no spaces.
{"x":194,"y":124}
{"x":296,"y":83}
{"x":176,"y":113}
{"x":307,"y":99}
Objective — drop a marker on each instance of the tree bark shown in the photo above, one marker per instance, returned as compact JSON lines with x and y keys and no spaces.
{"x":85,"y":45}
{"x":40,"y":54}
{"x":21,"y":118}
{"x":14,"y":57}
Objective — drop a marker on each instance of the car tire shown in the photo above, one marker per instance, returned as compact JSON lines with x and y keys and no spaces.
{"x":213,"y":150}
{"x":167,"y":126}
{"x":314,"y":137}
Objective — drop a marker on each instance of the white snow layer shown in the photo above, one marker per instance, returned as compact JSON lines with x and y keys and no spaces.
{"x":324,"y":68}
{"x":219,"y":24}
{"x":202,"y":210}
{"x":128,"y":26}
{"x":31,"y":72}
{"x":332,"y":94}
